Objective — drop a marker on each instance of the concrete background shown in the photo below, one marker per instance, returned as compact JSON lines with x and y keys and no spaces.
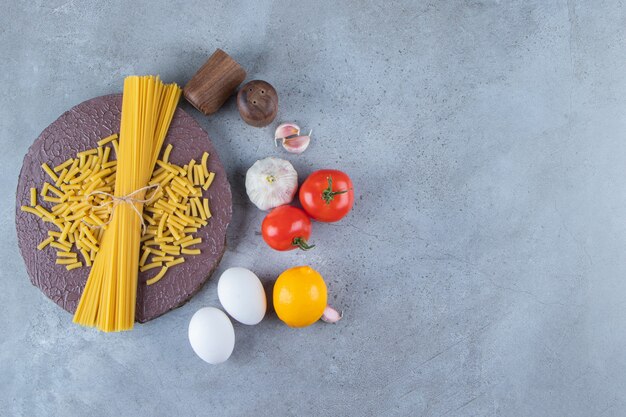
{"x":482,"y":269}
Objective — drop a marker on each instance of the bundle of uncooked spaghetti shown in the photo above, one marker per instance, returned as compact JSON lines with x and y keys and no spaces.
{"x":108,"y":300}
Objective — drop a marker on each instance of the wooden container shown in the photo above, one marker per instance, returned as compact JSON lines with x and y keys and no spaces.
{"x":257,"y":102}
{"x":214,"y":82}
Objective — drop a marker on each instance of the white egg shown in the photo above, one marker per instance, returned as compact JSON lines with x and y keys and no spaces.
{"x":241,"y":293}
{"x":211,"y":335}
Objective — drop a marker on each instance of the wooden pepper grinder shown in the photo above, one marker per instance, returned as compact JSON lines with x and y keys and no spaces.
{"x":214,"y":82}
{"x":257,"y":102}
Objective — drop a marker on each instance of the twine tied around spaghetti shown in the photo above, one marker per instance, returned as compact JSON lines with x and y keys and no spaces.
{"x":128,"y":199}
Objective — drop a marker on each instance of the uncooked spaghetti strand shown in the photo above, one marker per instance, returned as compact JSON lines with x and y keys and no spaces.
{"x":110,"y":294}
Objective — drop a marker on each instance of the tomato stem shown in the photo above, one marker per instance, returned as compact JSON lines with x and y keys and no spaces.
{"x":301,"y":243}
{"x":328,"y":194}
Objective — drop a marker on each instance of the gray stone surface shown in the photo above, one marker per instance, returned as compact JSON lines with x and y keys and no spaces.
{"x":482,"y":269}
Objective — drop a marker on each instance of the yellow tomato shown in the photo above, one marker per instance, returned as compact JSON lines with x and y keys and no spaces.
{"x":300,"y":296}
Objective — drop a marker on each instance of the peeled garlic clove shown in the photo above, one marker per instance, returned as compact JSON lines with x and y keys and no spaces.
{"x":297,"y":144}
{"x":289,"y":135}
{"x":331,"y":315}
{"x":285,"y":130}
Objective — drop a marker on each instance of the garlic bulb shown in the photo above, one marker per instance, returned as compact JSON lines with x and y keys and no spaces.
{"x":271,"y":182}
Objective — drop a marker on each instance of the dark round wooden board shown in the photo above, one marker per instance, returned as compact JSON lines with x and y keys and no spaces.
{"x":79,"y":129}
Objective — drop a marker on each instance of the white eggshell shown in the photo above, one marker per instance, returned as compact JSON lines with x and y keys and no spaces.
{"x":241,"y":293}
{"x":211,"y":335}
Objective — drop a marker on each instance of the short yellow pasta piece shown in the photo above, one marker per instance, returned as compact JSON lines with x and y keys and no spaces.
{"x":175,"y":262}
{"x":144,"y":257}
{"x":191,"y":242}
{"x":116,"y":146}
{"x":198,"y":178}
{"x":86,"y":257}
{"x":205,"y":206}
{"x":74,"y":266}
{"x":49,"y":199}
{"x":55,"y":190}
{"x":65,"y":164}
{"x":186,"y":251}
{"x":106,"y":140}
{"x":45,"y":243}
{"x":62,"y":175}
{"x":209,"y":180}
{"x":166,"y":153}
{"x":62,"y":246}
{"x":50,"y":172}
{"x":163,"y":258}
{"x":205,"y":170}
{"x":157,"y":252}
{"x":88,"y":152}
{"x":150,"y":266}
{"x":33,"y":197}
{"x":157,"y":277}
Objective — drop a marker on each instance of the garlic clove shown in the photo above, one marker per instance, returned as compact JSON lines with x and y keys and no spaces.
{"x":297,"y":144}
{"x":285,"y":130}
{"x":331,"y":315}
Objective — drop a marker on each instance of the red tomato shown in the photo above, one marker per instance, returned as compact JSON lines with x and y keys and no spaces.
{"x":286,"y":228}
{"x":327,"y":195}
